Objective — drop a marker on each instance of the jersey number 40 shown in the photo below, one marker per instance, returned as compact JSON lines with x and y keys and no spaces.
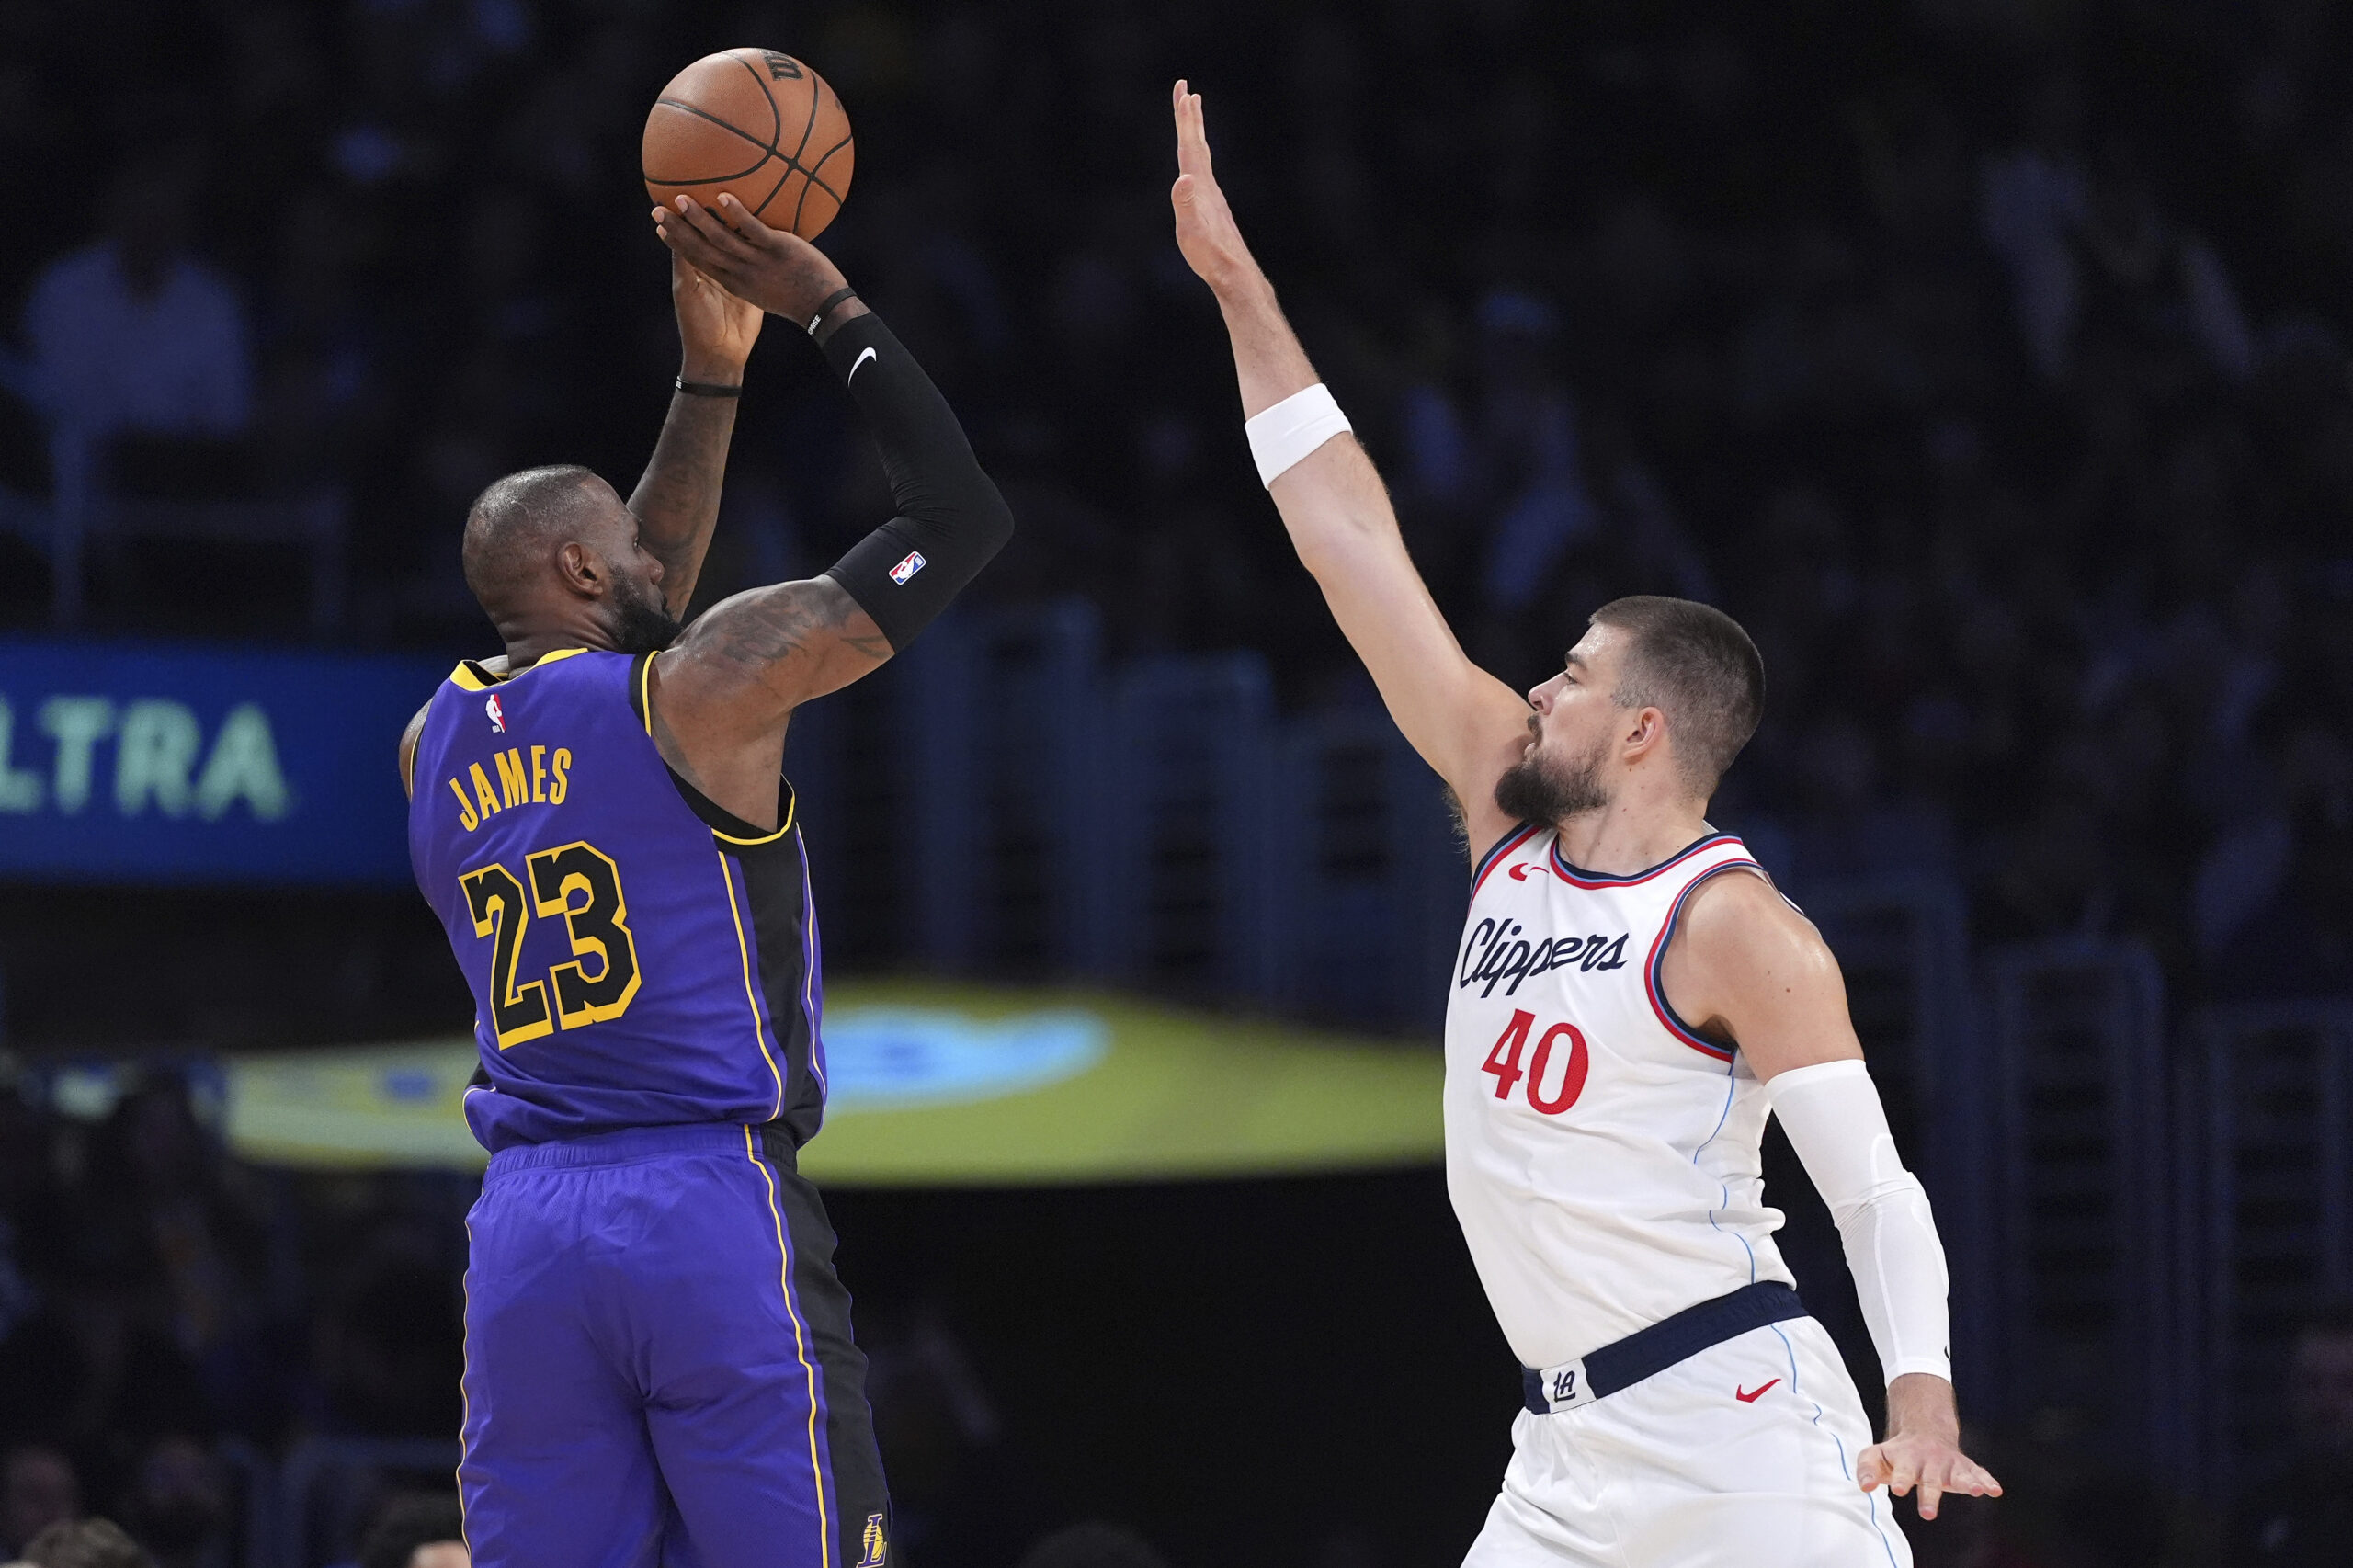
{"x":580,"y":882}
{"x":1512,"y":1044}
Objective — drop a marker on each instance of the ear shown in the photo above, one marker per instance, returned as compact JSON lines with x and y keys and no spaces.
{"x":1642,"y":733}
{"x":582,"y":570}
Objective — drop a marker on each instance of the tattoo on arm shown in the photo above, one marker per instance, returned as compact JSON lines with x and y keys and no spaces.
{"x":767,"y":626}
{"x":676,"y":501}
{"x":772,"y":649}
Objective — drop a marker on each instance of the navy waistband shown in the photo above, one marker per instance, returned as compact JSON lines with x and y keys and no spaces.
{"x":1649,"y":1351}
{"x":627,"y":1145}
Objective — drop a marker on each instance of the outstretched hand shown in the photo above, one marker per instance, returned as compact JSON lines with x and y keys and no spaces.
{"x":773,"y":270}
{"x":1922,"y":1447}
{"x":1206,"y":233}
{"x":716,"y":330}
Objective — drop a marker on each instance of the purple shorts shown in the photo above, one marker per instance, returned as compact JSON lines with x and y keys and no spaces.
{"x":659,"y":1366}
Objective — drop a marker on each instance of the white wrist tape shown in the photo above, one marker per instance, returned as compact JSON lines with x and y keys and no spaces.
{"x":1836,"y":1124}
{"x":1287,"y":432}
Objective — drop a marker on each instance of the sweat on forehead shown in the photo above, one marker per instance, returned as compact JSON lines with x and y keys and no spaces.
{"x":515,"y":521}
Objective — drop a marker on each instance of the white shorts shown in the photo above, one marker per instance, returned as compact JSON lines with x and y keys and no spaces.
{"x":1742,"y":1455}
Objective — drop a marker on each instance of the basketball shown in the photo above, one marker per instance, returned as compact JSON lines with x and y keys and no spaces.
{"x":756,"y":125}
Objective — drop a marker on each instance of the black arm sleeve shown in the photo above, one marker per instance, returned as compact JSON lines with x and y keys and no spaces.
{"x":951,"y":521}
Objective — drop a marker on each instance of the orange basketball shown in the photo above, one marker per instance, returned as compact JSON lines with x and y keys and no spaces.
{"x":757,"y":125}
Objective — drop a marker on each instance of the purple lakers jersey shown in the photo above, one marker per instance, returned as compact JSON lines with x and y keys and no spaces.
{"x":638,"y":956}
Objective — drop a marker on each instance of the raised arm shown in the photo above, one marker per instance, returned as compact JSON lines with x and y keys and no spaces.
{"x":1746,"y":968}
{"x":677,"y":499}
{"x":722,"y":694}
{"x":1465,"y":723}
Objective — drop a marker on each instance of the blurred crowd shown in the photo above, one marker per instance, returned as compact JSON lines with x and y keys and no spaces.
{"x":175,"y":1325}
{"x":169,"y":1318}
{"x":1989,"y":362}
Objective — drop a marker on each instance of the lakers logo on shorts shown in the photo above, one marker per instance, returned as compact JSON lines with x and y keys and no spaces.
{"x":877,"y":1548}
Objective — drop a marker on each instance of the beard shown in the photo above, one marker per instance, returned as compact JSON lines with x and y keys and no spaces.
{"x":640,"y":624}
{"x":1531,"y":791}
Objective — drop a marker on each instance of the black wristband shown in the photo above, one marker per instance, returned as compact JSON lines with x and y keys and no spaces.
{"x":708,"y":388}
{"x":827,"y":304}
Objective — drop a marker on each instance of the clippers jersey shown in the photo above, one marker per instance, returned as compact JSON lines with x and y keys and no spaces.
{"x":1602,"y":1156}
{"x":638,"y":956}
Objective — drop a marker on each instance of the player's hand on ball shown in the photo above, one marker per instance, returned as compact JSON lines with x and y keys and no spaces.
{"x":1206,"y":232}
{"x":772,"y":269}
{"x":1922,"y":1447}
{"x":716,"y":330}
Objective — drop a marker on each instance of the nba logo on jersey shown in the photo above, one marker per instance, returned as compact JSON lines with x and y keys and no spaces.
{"x":497,"y":714}
{"x":905,"y":569}
{"x":877,"y":1548}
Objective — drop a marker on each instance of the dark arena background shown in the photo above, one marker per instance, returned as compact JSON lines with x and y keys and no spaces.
{"x":1989,"y":362}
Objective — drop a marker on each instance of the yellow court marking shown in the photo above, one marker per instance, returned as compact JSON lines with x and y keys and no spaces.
{"x":1176,"y":1094}
{"x":799,"y":1351}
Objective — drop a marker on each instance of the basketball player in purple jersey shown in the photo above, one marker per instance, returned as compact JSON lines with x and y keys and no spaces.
{"x":659,"y":1365}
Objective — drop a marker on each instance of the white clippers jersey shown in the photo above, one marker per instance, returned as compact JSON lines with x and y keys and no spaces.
{"x":1602,"y":1156}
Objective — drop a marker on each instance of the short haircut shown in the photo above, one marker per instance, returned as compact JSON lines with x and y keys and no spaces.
{"x":1694,"y":664}
{"x":512,"y":520}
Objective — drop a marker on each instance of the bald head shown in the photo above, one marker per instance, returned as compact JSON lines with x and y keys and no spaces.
{"x":553,"y":556}
{"x":517,"y":525}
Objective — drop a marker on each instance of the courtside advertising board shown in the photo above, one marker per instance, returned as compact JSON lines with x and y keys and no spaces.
{"x":152,"y":763}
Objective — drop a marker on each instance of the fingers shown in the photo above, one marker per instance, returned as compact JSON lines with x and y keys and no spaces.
{"x":744,"y":222}
{"x":1890,"y":1466}
{"x":1193,"y":134}
{"x":1940,"y":1472}
{"x":1970,"y":1476}
{"x":721,"y":233}
{"x":691,"y":247}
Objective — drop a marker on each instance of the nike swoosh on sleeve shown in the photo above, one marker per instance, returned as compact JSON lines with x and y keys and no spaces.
{"x":857,"y":364}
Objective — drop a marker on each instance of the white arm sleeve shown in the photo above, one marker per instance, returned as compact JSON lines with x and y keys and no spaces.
{"x":1835,"y":1120}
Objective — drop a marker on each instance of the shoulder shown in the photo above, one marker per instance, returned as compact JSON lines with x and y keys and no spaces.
{"x":1747,"y":966}
{"x":1738,"y":935}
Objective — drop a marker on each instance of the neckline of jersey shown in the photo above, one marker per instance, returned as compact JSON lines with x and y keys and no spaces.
{"x":478,"y":678}
{"x":1584,"y":878}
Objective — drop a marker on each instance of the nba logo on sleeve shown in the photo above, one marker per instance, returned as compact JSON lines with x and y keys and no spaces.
{"x":905,"y":569}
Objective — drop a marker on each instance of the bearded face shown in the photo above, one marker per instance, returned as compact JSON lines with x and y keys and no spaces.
{"x":1542,"y":789}
{"x":640,"y":624}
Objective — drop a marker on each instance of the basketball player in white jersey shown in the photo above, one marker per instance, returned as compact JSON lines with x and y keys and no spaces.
{"x":1631,"y":1000}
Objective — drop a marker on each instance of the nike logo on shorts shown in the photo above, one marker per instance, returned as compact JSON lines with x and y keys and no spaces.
{"x":1746,"y":1396}
{"x":855,"y":365}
